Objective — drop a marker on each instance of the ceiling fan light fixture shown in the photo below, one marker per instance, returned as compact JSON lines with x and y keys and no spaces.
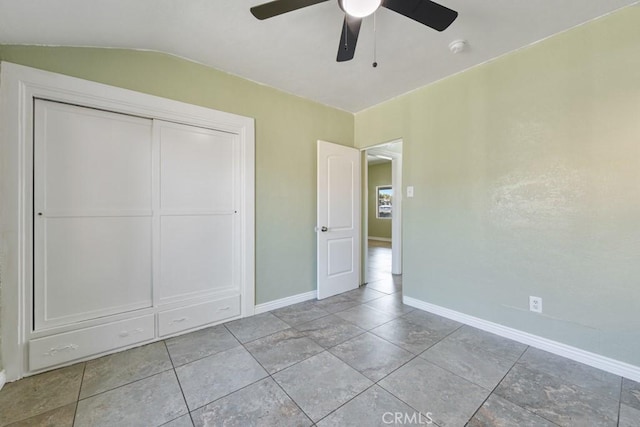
{"x":359,"y":8}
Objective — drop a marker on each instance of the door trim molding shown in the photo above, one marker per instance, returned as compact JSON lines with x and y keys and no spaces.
{"x":592,"y":359}
{"x":398,"y":200}
{"x":19,"y":86}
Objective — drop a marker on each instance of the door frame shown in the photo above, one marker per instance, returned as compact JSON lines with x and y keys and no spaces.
{"x":19,"y":86}
{"x":396,"y":219}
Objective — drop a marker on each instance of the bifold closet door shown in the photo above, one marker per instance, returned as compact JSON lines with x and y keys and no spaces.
{"x":93,"y":218}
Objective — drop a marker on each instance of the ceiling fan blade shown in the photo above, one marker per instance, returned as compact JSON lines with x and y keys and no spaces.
{"x":278,"y":7}
{"x":349,"y":38}
{"x":426,"y":12}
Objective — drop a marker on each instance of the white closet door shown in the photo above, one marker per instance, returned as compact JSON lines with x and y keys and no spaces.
{"x":92,"y":213}
{"x":199,"y":232}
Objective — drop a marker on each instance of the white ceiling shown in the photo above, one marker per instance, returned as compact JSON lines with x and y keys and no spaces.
{"x":388,"y":150}
{"x":296,"y":52}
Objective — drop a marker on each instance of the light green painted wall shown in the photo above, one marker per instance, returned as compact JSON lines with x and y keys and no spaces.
{"x":379,"y":174}
{"x":287,"y":128}
{"x":527,"y":182}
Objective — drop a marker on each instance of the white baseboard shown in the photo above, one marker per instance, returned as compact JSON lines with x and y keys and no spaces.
{"x":607,"y":364}
{"x":3,"y":379}
{"x":380,"y":239}
{"x":279,"y":303}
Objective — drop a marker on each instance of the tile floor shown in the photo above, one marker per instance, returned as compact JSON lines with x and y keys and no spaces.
{"x":357,"y":359}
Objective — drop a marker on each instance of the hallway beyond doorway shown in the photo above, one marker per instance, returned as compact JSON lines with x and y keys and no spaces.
{"x":379,"y":268}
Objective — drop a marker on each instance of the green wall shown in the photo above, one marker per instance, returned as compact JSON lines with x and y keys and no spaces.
{"x":527,"y":182}
{"x":379,"y":174}
{"x":287,"y":128}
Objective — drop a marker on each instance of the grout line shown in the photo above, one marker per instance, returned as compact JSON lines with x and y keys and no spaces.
{"x":184,"y":398}
{"x":293,"y":364}
{"x":391,"y":393}
{"x":291,"y":398}
{"x":498,"y":384}
{"x":311,"y":320}
{"x":285,"y":391}
{"x":269,"y":376}
{"x":205,"y":356}
{"x":75,"y":412}
{"x":169,"y":354}
{"x":231,"y":332}
{"x":620,"y":400}
{"x":327,"y":350}
{"x":189,"y":411}
{"x":513,"y":403}
{"x":230,"y":393}
{"x":129,"y":383}
{"x":305,"y":322}
{"x":353,"y":398}
{"x":453,"y":373}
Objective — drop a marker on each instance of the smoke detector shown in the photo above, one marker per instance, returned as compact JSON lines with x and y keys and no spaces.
{"x":457,"y":46}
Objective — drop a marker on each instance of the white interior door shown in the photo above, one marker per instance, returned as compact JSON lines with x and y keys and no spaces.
{"x":338,"y":226}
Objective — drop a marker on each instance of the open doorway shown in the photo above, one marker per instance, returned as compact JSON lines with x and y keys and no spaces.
{"x":382,"y":217}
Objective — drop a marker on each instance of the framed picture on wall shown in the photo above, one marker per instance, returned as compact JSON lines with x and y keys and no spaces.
{"x":384,"y":201}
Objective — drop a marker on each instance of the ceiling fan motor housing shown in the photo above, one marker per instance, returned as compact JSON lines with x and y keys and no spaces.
{"x":359,"y":8}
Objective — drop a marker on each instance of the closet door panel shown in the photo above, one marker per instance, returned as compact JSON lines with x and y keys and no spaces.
{"x":95,"y":267}
{"x":197,"y":255}
{"x":198,"y":177}
{"x":93,"y":214}
{"x":93,"y":161}
{"x":197,"y":169}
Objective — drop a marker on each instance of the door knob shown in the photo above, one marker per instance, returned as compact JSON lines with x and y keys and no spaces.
{"x":324,"y":229}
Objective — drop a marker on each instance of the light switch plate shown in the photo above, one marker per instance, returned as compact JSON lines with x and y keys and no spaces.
{"x":410,"y":191}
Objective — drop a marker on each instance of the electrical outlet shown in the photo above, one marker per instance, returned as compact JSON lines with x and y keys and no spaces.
{"x":535,"y":304}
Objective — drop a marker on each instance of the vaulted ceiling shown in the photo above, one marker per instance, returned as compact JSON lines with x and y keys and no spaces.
{"x":296,"y":52}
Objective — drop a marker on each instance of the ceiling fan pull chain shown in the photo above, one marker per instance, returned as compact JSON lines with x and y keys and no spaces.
{"x":375,"y":62}
{"x":346,"y":33}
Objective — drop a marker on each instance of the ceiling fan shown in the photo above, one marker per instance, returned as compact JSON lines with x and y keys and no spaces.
{"x":426,"y":12}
